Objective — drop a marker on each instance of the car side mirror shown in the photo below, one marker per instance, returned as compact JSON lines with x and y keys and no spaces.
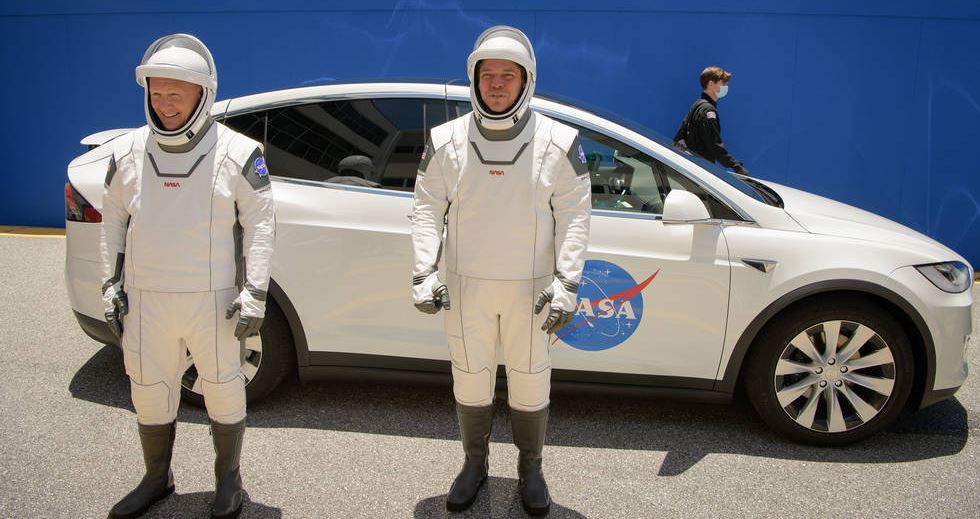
{"x":684,"y":207}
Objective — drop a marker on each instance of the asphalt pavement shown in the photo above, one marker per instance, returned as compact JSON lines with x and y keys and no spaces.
{"x":69,"y":449}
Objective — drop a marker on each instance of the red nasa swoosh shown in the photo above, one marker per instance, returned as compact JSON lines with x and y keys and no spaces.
{"x":617,"y":299}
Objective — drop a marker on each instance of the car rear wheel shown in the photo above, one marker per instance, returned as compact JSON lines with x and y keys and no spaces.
{"x":830,"y":371}
{"x":267,"y":359}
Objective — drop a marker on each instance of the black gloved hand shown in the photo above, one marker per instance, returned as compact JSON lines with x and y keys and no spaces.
{"x":116,"y":306}
{"x":558,"y":317}
{"x":247,"y":325}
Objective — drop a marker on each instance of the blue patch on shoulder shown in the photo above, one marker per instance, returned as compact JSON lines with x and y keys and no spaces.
{"x":260,"y":167}
{"x":581,"y":154}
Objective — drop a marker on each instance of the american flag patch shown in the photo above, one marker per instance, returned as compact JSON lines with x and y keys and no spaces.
{"x":712,"y":115}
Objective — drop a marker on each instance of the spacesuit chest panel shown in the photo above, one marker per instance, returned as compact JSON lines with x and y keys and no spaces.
{"x":171,"y":235}
{"x":492,"y":215}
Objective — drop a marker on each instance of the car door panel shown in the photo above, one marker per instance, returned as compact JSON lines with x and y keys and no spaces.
{"x":679,"y":315}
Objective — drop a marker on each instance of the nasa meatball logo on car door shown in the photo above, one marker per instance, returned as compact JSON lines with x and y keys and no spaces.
{"x":610,"y":307}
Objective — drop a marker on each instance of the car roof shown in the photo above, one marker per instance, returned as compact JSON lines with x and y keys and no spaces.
{"x":306,"y":94}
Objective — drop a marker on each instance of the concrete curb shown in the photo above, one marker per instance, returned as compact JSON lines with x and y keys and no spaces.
{"x":43,"y":232}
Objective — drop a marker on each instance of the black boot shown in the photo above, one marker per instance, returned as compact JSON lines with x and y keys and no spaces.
{"x":474,"y":428}
{"x":529,"y":428}
{"x":228,"y":493}
{"x":158,"y":482}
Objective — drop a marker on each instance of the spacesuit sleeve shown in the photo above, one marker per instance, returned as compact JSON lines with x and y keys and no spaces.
{"x":115,"y":220}
{"x":256,"y":213}
{"x":429,"y":211}
{"x":571,"y":205}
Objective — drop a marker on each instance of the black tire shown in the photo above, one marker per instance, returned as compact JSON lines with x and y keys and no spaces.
{"x":274,"y":360}
{"x":831,"y":383}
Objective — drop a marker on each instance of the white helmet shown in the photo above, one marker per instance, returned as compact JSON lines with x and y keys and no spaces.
{"x":509,"y":43}
{"x":185,"y":58}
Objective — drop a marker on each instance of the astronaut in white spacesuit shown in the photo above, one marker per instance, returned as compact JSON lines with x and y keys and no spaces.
{"x":187,"y":237}
{"x":515,"y":188}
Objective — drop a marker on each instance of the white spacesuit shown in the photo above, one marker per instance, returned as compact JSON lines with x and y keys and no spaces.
{"x":188,"y":232}
{"x":516,"y":191}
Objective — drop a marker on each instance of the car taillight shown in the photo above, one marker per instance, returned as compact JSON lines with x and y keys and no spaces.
{"x":77,"y":208}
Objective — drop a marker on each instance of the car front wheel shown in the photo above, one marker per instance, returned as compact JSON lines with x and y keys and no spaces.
{"x":830,"y":372}
{"x":266,"y":360}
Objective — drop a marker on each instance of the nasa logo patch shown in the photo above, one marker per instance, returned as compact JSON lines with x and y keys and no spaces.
{"x":610,"y":307}
{"x":581,"y":154}
{"x":260,"y":167}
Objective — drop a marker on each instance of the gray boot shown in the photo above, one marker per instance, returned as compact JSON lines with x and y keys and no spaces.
{"x":228,"y":493}
{"x":529,"y":428}
{"x":158,"y":482}
{"x":474,"y":428}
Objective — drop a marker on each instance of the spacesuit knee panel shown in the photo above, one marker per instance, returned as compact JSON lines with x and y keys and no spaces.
{"x":155,"y":404}
{"x":225,"y":401}
{"x":528,"y":391}
{"x":474,"y":389}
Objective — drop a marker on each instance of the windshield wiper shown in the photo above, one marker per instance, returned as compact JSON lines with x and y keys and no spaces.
{"x":772,"y":198}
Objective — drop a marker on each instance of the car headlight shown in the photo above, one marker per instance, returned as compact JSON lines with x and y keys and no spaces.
{"x":952,"y":276}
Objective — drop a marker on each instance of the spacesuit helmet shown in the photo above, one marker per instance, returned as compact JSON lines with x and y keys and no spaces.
{"x":509,"y":43}
{"x":182,"y":57}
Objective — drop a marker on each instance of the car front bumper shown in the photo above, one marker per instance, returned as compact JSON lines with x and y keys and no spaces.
{"x":950,"y":323}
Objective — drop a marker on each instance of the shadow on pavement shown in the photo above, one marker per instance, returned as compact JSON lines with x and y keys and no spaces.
{"x":198,"y":504}
{"x":498,"y":499}
{"x":686,"y":431}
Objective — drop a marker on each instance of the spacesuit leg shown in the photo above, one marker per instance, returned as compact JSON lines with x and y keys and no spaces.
{"x":217,"y":354}
{"x":525,"y":346}
{"x":529,"y":386}
{"x":473,"y":331}
{"x":154,"y":356}
{"x":472,"y":326}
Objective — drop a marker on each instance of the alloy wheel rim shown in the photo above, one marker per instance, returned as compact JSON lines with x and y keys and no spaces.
{"x":835,"y":376}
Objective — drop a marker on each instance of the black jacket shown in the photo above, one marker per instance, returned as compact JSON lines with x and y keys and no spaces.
{"x":701,"y":132}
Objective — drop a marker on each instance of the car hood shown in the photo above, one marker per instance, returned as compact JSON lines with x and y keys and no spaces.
{"x":821,"y":215}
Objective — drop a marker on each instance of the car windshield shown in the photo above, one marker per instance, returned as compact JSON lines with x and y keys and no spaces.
{"x":750,"y":188}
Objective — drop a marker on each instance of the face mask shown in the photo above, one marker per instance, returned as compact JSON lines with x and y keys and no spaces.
{"x":723,"y":91}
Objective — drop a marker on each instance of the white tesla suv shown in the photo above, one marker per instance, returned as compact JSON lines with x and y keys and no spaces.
{"x":699,"y":282}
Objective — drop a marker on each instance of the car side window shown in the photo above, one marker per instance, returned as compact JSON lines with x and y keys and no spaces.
{"x":250,"y":124}
{"x":459,"y":108}
{"x":383,"y":137}
{"x":626,"y":179}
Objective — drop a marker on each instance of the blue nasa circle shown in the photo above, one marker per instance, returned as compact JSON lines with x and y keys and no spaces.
{"x":260,"y":167}
{"x":602,"y":322}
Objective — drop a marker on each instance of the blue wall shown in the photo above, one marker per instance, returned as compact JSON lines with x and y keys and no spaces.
{"x":874,"y":103}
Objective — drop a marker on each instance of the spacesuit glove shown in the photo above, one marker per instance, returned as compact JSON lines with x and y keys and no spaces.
{"x":116,"y":306}
{"x":430,"y":294}
{"x":251,"y":312}
{"x":561,"y":294}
